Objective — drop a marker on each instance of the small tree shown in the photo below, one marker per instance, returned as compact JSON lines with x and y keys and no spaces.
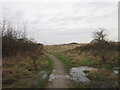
{"x":99,"y":36}
{"x":101,"y":45}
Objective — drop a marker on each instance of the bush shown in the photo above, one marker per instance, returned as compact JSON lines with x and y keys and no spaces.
{"x":103,"y":50}
{"x":21,"y":56}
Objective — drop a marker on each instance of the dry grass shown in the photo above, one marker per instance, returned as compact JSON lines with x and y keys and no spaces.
{"x":86,"y":58}
{"x":23,"y":73}
{"x":20,"y":67}
{"x":22,"y":57}
{"x":102,"y":74}
{"x":77,"y":55}
{"x":60,"y":48}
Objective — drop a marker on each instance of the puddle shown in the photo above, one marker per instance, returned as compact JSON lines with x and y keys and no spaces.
{"x":58,"y":76}
{"x":54,"y":76}
{"x":116,"y":70}
{"x":79,"y":74}
{"x":43,"y":74}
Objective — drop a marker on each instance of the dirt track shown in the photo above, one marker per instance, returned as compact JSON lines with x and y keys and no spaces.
{"x":58,"y":78}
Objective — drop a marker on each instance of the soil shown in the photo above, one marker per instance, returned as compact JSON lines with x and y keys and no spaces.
{"x":58,"y":78}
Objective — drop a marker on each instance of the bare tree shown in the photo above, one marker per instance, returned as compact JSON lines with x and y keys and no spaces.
{"x":101,"y":46}
{"x":3,"y":26}
{"x":99,"y":36}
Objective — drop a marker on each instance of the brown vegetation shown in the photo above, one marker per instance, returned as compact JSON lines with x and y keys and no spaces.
{"x":101,"y":54}
{"x":103,"y":50}
{"x":21,"y":56}
{"x":91,"y":55}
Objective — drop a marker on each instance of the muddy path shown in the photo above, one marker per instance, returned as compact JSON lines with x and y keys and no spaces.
{"x":58,"y":78}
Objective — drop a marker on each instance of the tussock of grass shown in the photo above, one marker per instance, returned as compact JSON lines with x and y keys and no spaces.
{"x":102,"y":74}
{"x":87,"y":62}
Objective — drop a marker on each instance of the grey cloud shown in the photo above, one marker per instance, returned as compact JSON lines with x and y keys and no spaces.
{"x":64,"y":22}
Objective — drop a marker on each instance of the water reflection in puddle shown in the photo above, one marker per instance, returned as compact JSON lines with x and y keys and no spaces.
{"x":43,"y":74}
{"x":78,"y":74}
{"x":55,"y":76}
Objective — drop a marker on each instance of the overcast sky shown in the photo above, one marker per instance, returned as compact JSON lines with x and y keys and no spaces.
{"x":63,"y":21}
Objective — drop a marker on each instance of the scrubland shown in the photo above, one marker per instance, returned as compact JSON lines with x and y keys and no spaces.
{"x":22,"y":58}
{"x":104,"y":57}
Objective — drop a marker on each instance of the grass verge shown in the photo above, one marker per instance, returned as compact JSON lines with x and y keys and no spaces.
{"x":48,"y":68}
{"x":65,"y":60}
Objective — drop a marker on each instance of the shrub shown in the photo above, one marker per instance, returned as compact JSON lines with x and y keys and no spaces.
{"x":21,"y":56}
{"x":103,"y":50}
